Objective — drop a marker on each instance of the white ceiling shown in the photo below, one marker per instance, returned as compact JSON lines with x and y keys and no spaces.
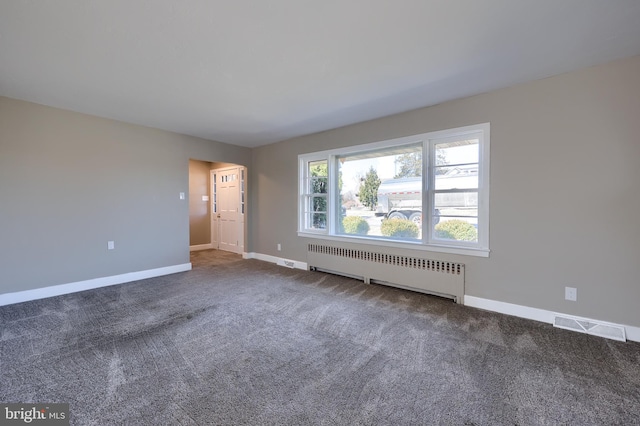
{"x":258,"y":71}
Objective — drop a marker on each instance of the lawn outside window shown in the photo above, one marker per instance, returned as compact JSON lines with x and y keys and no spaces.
{"x":428,"y":191}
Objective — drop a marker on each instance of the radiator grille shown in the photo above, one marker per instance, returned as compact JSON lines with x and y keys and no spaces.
{"x":389,"y":259}
{"x":412,"y":272}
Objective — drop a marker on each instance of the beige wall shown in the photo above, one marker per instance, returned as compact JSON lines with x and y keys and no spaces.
{"x":565,"y":174}
{"x":199,"y":210}
{"x":70,"y":182}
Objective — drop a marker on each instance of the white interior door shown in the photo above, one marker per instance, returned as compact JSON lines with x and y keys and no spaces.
{"x":227,"y":222}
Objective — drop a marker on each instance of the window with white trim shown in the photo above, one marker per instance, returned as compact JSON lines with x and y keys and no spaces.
{"x":428,"y":191}
{"x":315,"y":188}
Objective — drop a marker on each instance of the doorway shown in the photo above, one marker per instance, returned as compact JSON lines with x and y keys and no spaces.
{"x":228,"y":208}
{"x":203,"y":231}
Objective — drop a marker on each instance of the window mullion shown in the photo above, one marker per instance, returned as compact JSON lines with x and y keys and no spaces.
{"x":427,"y":218}
{"x":432,"y":166}
{"x":332,"y":193}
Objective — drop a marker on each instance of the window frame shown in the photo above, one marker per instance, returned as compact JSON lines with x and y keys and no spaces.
{"x":305,"y":195}
{"x":427,"y":242}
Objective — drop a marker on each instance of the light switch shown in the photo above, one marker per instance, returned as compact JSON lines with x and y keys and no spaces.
{"x":182,"y":195}
{"x":205,"y":198}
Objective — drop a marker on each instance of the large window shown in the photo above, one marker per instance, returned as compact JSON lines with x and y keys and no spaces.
{"x":427,"y":191}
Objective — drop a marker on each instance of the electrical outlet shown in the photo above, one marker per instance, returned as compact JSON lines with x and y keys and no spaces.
{"x":111,"y":245}
{"x":279,"y":247}
{"x":571,"y":293}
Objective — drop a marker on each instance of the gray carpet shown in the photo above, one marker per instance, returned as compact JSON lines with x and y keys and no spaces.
{"x":246,"y":342}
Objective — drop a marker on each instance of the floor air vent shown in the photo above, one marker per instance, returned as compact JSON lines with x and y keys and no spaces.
{"x":596,"y":328}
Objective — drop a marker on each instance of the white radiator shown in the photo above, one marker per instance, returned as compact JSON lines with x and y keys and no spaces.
{"x":438,"y":277}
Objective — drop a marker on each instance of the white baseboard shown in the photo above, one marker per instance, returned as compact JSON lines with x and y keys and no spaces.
{"x":201,"y":247}
{"x":277,"y":260}
{"x":57,"y":290}
{"x":542,"y":315}
{"x":509,"y":309}
{"x":633,"y":333}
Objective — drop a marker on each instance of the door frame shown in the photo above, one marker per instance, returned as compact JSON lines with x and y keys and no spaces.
{"x":242,"y":206}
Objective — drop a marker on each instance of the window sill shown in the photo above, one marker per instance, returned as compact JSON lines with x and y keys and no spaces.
{"x":465,"y":251}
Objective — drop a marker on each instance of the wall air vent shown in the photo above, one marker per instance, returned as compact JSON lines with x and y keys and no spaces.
{"x":588,"y":326}
{"x":286,"y":263}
